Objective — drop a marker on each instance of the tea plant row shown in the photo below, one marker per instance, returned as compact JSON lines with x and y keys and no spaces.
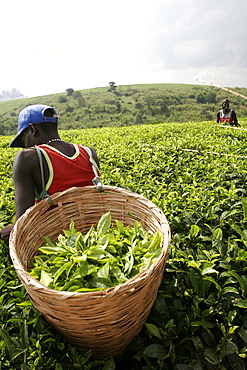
{"x":195,"y":173}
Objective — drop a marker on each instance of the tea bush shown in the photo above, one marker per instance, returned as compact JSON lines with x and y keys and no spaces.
{"x":196,"y":173}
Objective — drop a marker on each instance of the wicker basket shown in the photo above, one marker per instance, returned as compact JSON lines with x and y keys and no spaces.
{"x":103,"y":321}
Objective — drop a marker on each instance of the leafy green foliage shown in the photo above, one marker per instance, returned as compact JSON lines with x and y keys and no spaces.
{"x":196,"y":173}
{"x":127,"y":105}
{"x":106,"y":256}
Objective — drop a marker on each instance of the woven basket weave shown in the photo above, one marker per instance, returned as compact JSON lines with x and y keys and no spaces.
{"x":103,"y":321}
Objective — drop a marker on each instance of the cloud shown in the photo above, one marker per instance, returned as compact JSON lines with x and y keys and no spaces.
{"x":199,"y":34}
{"x":48,"y":48}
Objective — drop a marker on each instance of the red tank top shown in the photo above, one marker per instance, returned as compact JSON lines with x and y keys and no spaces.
{"x":66,"y":172}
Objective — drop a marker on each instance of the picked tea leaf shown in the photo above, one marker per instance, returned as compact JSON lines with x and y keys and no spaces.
{"x":106,"y":256}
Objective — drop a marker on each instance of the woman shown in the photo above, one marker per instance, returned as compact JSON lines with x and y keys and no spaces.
{"x":48,"y":164}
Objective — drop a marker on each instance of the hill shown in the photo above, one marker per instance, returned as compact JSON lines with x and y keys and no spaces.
{"x":128,"y":105}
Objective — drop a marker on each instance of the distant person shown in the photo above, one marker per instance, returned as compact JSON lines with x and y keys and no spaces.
{"x":227,"y":115}
{"x":64,"y":164}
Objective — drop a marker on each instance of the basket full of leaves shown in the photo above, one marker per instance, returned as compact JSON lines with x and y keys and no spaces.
{"x":92,"y":263}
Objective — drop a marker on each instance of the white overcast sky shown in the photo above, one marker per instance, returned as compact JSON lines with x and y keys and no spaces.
{"x":50,"y":45}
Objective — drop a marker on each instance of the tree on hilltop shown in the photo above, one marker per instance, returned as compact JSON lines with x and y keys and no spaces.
{"x":112,"y":86}
{"x":13,"y":94}
{"x":69,"y":91}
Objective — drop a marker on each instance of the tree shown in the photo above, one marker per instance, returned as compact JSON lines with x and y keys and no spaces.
{"x":211,"y":97}
{"x":69,"y":91}
{"x":200,"y":99}
{"x":164,"y":109}
{"x":118,"y":105}
{"x":13,"y":94}
{"x":112,"y":86}
{"x":138,"y":119}
{"x":62,"y":99}
{"x":77,"y":94}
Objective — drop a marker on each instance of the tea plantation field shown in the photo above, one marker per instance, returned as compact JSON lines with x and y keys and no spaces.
{"x":196,"y":173}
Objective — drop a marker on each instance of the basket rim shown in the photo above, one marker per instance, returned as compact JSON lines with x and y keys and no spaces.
{"x":27,"y":279}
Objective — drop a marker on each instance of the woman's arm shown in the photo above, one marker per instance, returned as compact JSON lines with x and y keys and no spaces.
{"x":218,"y":117}
{"x":24,"y":168}
{"x":234,"y":118}
{"x":24,"y":164}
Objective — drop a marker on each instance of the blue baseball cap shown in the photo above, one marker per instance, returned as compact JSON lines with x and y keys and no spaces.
{"x":32,"y":114}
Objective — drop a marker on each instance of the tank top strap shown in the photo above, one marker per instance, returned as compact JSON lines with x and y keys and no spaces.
{"x":44,"y":193}
{"x":97,"y":179}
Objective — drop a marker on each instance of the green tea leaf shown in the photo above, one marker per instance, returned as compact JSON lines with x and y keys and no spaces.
{"x":227,"y":214}
{"x":109,"y":364}
{"x":243,"y":334}
{"x":194,"y":230}
{"x":7,"y":340}
{"x":25,"y":303}
{"x":120,"y":226}
{"x":228,"y":349}
{"x":217,"y":234}
{"x":153,"y":330}
{"x":52,"y":250}
{"x":240,"y":303}
{"x":244,"y":205}
{"x":209,"y":270}
{"x":229,"y":289}
{"x":156,"y":241}
{"x":96,"y":253}
{"x":101,"y":282}
{"x":104,"y":271}
{"x":59,"y":272}
{"x":211,"y":356}
{"x":196,"y":281}
{"x":129,"y":261}
{"x":80,"y":272}
{"x":72,"y":228}
{"x":156,"y":351}
{"x":103,"y":224}
{"x":24,"y":335}
{"x":45,"y":278}
{"x":119,"y":276}
{"x":49,"y":241}
{"x":17,"y":352}
{"x":79,"y":242}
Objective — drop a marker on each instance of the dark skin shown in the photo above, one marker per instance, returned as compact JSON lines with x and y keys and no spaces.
{"x":225,"y":107}
{"x":26,"y":168}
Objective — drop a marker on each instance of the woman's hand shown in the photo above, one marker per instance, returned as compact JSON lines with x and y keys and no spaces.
{"x":5,"y":233}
